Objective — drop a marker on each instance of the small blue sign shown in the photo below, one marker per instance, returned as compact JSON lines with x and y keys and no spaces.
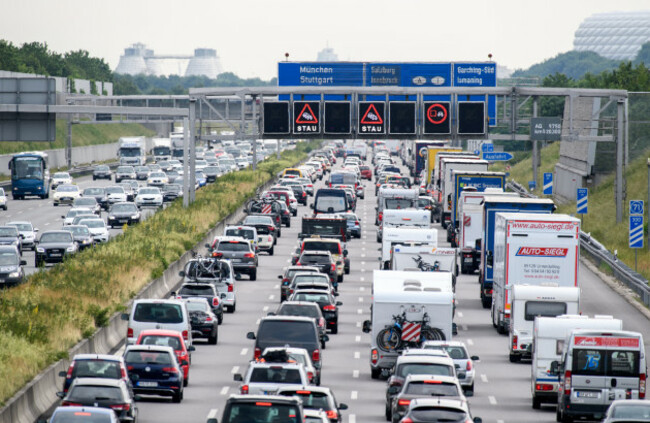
{"x":477,"y":152}
{"x":487,"y":147}
{"x":548,"y":183}
{"x":581,"y":200}
{"x":636,"y":231}
{"x":497,"y":157}
{"x":532,"y":185}
{"x":636,"y":207}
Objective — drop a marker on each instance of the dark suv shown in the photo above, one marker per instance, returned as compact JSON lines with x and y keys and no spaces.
{"x":123,"y":213}
{"x":54,"y":246}
{"x":239,"y":251}
{"x":320,"y":259}
{"x":262,"y":408}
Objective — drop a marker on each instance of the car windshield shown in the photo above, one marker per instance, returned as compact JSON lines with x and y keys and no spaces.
{"x":148,"y":191}
{"x":250,"y":412}
{"x":92,"y":223}
{"x":59,"y":175}
{"x":8,"y":258}
{"x":67,"y":188}
{"x":311,"y":278}
{"x":406,"y":369}
{"x":115,"y":190}
{"x":157,"y":175}
{"x":97,"y":368}
{"x":276,"y":374}
{"x":233,"y":246}
{"x":172,"y":188}
{"x":8,"y":232}
{"x":23,"y":227}
{"x":85,"y":416}
{"x":77,"y":230}
{"x":434,"y":388}
{"x":202,"y":289}
{"x":197,"y":306}
{"x":124,"y":208}
{"x":102,"y":168}
{"x":244,"y":233}
{"x":90,"y":393}
{"x":631,"y":411}
{"x":148,"y":357}
{"x":158,"y":312}
{"x":258,"y":220}
{"x":456,"y":353}
{"x":93,"y":191}
{"x":299,"y":310}
{"x":56,"y":237}
{"x":162,"y":341}
{"x":125,"y":169}
{"x":87,"y":201}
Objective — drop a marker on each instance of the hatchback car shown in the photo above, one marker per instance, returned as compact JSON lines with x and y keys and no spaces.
{"x":124,"y":213}
{"x":301,"y":356}
{"x":97,"y":228}
{"x":54,"y":247}
{"x":102,"y":172}
{"x":94,"y":365}
{"x":88,"y":203}
{"x":83,"y":415}
{"x":11,"y":266}
{"x":267,"y":378}
{"x":322,"y":260}
{"x":154,"y":370}
{"x":9,"y":235}
{"x":305,"y":309}
{"x":327,"y":303}
{"x":107,"y":393}
{"x":217,"y":272}
{"x":203,"y":321}
{"x":288,"y":274}
{"x":418,"y":386}
{"x":317,"y":398}
{"x":261,"y":408}
{"x":264,"y":225}
{"x":65,"y":194}
{"x":423,"y":410}
{"x":457,"y":351}
{"x":201,"y":290}
{"x":239,"y":251}
{"x":173,"y":339}
{"x":27,"y":232}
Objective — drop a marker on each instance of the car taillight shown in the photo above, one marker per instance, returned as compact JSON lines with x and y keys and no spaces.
{"x":310,"y":375}
{"x":298,"y":264}
{"x":374,"y":356}
{"x":208,"y":319}
{"x":231,"y":288}
{"x":642,"y":386}
{"x":121,"y":407}
{"x":129,"y":333}
{"x":215,"y":301}
{"x":186,"y":335}
{"x":514,"y":342}
{"x":244,"y":389}
{"x":130,"y":367}
{"x":69,"y":374}
{"x":356,"y":223}
{"x":543,"y":387}
{"x":257,"y":353}
{"x":403,"y":402}
{"x":406,"y":420}
{"x":70,"y":404}
{"x":567,"y":382}
{"x":123,"y":372}
{"x":249,"y":255}
{"x":381,"y":216}
{"x":315,"y":356}
{"x":169,"y":370}
{"x":271,"y":228}
{"x":332,"y":415}
{"x":216,"y":254}
{"x":333,"y":267}
{"x":469,"y":365}
{"x":329,"y":308}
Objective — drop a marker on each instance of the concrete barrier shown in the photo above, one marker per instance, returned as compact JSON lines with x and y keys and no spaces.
{"x":39,"y":395}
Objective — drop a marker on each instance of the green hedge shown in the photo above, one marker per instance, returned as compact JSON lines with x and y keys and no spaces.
{"x":43,"y":318}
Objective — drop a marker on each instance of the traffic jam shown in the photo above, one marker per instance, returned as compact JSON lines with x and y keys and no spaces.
{"x":524,"y":256}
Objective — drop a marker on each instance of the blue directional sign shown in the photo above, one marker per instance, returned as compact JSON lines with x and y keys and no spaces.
{"x":548,"y":183}
{"x":477,"y":152}
{"x":636,"y":231}
{"x":487,"y":147}
{"x":581,"y":200}
{"x":636,"y":207}
{"x":532,"y":185}
{"x":497,"y":157}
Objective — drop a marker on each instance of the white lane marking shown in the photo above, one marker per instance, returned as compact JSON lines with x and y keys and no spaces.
{"x":362,"y":288}
{"x":355,"y":374}
{"x":357,"y":338}
{"x":499,"y":421}
{"x":288,"y":260}
{"x":360,"y":299}
{"x":363,"y":242}
{"x":492,"y":400}
{"x":8,"y":216}
{"x":224,"y":390}
{"x":358,"y":324}
{"x":360,"y":311}
{"x":470,"y":342}
{"x":258,"y":322}
{"x":265,"y":309}
{"x":244,"y":351}
{"x":484,"y":378}
{"x":234,"y":370}
{"x":363,"y":248}
{"x":460,"y":314}
{"x":30,"y":208}
{"x":46,"y":223}
{"x":363,"y":256}
{"x":276,"y":287}
{"x":271,"y":297}
{"x":357,"y":354}
{"x":363,"y":263}
{"x":362,"y":271}
{"x":464,"y":327}
{"x":352,"y":418}
{"x":354,"y":395}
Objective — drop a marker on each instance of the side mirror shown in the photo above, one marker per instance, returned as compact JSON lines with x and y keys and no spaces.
{"x":475,"y":358}
{"x":62,"y":217}
{"x":250,"y":335}
{"x":454,"y":329}
{"x":339,"y":303}
{"x":23,"y":262}
{"x":137,"y":398}
{"x":35,"y":230}
{"x":63,"y":373}
{"x":270,"y":313}
{"x":124,"y":316}
{"x":279,"y":276}
{"x":366,"y":326}
{"x":237,"y":377}
{"x":184,"y":363}
{"x":60,"y":394}
{"x":478,"y":420}
{"x":345,"y":252}
{"x":172,"y":294}
{"x":336,"y":294}
{"x":223,"y":296}
{"x":468,"y":393}
{"x":555,"y":368}
{"x":191,"y":348}
{"x":326,"y":338}
{"x":342,"y":406}
{"x":394,"y":390}
{"x":208,"y":246}
{"x":181,"y":273}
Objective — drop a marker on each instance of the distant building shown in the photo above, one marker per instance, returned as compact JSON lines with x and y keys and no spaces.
{"x":614,"y":35}
{"x":327,"y":55}
{"x":138,"y":59}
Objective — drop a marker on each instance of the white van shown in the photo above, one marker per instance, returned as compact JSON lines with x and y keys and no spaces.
{"x":401,"y":218}
{"x":529,"y":302}
{"x":549,"y":334}
{"x":158,"y":314}
{"x":596,"y":368}
{"x":393,"y":236}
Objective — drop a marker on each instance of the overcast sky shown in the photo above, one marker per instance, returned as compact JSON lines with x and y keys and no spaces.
{"x":251,"y":36}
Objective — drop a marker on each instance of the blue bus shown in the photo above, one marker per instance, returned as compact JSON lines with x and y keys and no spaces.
{"x":29,"y":175}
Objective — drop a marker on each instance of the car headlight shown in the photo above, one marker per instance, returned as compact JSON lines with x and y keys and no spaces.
{"x":14,"y":274}
{"x":70,"y":248}
{"x":40,"y":250}
{"x":86,"y":241}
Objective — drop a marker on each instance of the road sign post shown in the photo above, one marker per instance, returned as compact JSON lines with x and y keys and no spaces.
{"x":548,"y":183}
{"x":636,"y":227}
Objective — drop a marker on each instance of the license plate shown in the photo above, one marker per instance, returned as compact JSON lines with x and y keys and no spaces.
{"x":148,"y":384}
{"x":236,"y":260}
{"x":55,"y":255}
{"x":581,"y":394}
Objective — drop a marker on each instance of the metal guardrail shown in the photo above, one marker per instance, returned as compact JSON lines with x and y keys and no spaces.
{"x":600,"y":254}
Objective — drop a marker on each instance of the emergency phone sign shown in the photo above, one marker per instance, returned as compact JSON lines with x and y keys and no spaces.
{"x":306,"y":117}
{"x":372,"y":117}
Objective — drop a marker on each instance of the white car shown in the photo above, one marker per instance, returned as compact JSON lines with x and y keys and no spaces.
{"x":157,"y":179}
{"x":115,"y":194}
{"x":66,"y":194}
{"x":3,"y":199}
{"x":242,"y":163}
{"x":200,"y":164}
{"x":60,"y":178}
{"x":149,"y":197}
{"x":97,"y":228}
{"x":27,"y":231}
{"x":74,"y":212}
{"x":265,"y":242}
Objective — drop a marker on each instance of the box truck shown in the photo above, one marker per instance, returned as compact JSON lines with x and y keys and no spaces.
{"x":491,"y":206}
{"x":162,"y":149}
{"x":407,"y":309}
{"x":131,"y":151}
{"x":448,"y":166}
{"x":418,"y":156}
{"x":533,"y":249}
{"x":549,"y":334}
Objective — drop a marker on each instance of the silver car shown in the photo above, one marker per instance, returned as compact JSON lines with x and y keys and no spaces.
{"x":628,"y":411}
{"x":464,"y":363}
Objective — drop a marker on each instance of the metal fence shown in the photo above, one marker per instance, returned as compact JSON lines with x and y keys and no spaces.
{"x":598,"y":253}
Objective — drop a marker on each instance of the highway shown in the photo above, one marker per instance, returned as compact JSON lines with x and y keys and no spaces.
{"x":502,"y":392}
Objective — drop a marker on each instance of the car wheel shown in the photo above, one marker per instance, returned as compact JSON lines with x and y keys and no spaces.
{"x":375,"y":373}
{"x":335,"y":328}
{"x":220,"y":318}
{"x":347,"y":270}
{"x":232,"y":309}
{"x":388,"y":413}
{"x":212,"y":340}
{"x":288,"y":223}
{"x":56,"y":204}
{"x":339,"y":278}
{"x":536,"y":403}
{"x":253,"y":275}
{"x":271,"y":251}
{"x":279,"y":234}
{"x":186,"y":381}
{"x":94,"y":178}
{"x":177,"y":398}
{"x":323,"y":344}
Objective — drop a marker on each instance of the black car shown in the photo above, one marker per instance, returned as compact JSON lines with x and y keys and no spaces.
{"x":102,"y":172}
{"x":306,"y":309}
{"x":81,"y":235}
{"x":322,"y":260}
{"x":123,"y":213}
{"x":142,"y":172}
{"x":246,"y":408}
{"x":327,"y":303}
{"x":171,"y":192}
{"x":124,"y":172}
{"x":102,"y":392}
{"x":264,"y":225}
{"x":300,"y":193}
{"x":203,"y":321}
{"x":99,"y":194}
{"x":9,"y":235}
{"x":54,"y":246}
{"x":286,"y":214}
{"x":11,"y":266}
{"x":202,"y":290}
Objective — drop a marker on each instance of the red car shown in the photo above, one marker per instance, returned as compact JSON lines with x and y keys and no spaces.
{"x":169,"y":338}
{"x":366,"y":172}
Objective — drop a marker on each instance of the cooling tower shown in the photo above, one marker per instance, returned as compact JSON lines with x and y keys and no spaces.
{"x":205,"y":62}
{"x":132,"y":62}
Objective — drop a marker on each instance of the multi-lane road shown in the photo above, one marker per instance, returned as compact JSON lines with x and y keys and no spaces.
{"x":502,"y":392}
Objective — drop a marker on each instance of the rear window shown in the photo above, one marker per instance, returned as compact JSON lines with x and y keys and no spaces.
{"x":233,"y":246}
{"x":148,"y":357}
{"x":85,"y":416}
{"x":343,"y":178}
{"x":438,"y":414}
{"x":309,"y":258}
{"x":162,"y":341}
{"x":397,"y":203}
{"x":9,"y":258}
{"x":543,"y":309}
{"x":298,"y":310}
{"x":424,"y":369}
{"x":96,"y":368}
{"x":431,"y":388}
{"x":262,"y":412}
{"x":311,"y":400}
{"x":204,"y":289}
{"x":286,"y":331}
{"x":158,"y":312}
{"x":313,"y":297}
{"x":86,"y":393}
{"x":330,"y":202}
{"x":456,"y":353}
{"x":598,"y":362}
{"x":311,"y":278}
{"x":332,"y":247}
{"x":275,"y":375}
{"x":244,"y":233}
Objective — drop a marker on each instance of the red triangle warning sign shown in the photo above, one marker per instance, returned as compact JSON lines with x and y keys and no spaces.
{"x":372,"y":116}
{"x":307,"y":115}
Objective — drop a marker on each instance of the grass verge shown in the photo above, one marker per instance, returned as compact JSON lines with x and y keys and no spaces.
{"x":43,"y":318}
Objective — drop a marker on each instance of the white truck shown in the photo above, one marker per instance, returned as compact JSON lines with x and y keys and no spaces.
{"x":131,"y":151}
{"x":162,"y":149}
{"x":404,"y":218}
{"x":394,"y":236}
{"x":448,"y":165}
{"x":177,"y":146}
{"x":407,"y":308}
{"x":395,"y":198}
{"x":549,"y":334}
{"x":533,"y":249}
{"x":531,"y":301}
